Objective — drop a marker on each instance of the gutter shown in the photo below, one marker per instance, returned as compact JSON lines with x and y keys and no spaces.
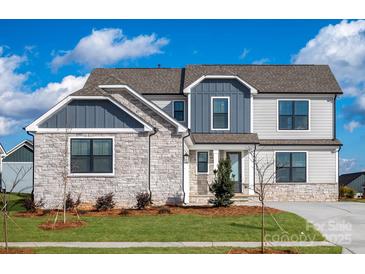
{"x":183,"y":166}
{"x":149,"y":162}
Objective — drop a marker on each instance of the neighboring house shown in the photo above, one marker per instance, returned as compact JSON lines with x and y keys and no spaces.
{"x":164,"y":131}
{"x":354,"y":180}
{"x":2,"y":155}
{"x":17,"y":168}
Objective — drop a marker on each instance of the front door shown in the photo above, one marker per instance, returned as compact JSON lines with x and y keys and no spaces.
{"x":236,"y":164}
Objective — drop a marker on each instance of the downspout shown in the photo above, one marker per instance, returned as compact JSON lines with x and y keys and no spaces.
{"x":254,"y":169}
{"x":30,"y":134}
{"x":334,"y":117}
{"x":338,"y":171}
{"x":183,"y":166}
{"x":149,"y":162}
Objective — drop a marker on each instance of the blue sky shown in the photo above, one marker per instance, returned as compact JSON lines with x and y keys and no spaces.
{"x":43,"y":60}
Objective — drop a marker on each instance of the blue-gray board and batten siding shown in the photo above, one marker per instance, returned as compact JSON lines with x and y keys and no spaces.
{"x":91,"y":114}
{"x":22,"y":154}
{"x":239,"y":105}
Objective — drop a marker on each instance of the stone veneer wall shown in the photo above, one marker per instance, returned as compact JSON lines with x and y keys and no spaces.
{"x":199,"y":182}
{"x":131,"y":164}
{"x":306,"y":192}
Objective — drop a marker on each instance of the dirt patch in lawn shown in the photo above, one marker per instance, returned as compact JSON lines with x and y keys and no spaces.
{"x":26,"y":214}
{"x":60,"y":225}
{"x":258,"y":251}
{"x":171,"y":210}
{"x":16,"y":251}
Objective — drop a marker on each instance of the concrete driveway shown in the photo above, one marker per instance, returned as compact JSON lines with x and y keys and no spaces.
{"x":342,"y":223}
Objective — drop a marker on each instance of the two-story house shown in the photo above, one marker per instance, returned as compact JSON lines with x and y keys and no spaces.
{"x":164,"y":131}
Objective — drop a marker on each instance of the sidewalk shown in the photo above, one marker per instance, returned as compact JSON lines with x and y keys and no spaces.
{"x":160,"y":244}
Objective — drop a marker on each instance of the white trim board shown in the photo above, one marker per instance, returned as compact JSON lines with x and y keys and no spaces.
{"x":180,"y":127}
{"x":34,"y":127}
{"x":188,"y":88}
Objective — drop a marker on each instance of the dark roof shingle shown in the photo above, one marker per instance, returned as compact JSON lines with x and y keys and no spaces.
{"x":317,"y":79}
{"x":315,"y":142}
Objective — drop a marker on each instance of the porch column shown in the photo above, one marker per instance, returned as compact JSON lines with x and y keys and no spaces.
{"x":251,"y":175}
{"x":215,"y":159}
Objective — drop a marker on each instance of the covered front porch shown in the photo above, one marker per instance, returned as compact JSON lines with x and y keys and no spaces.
{"x":202,"y":155}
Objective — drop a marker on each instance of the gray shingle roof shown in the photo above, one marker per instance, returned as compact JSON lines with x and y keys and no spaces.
{"x":227,"y":138}
{"x":265,"y":78}
{"x":316,"y":142}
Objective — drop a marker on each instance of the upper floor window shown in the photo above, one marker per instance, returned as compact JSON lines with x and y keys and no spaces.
{"x":179,"y":108}
{"x":91,"y":155}
{"x":291,"y":167}
{"x":220,"y":113}
{"x":293,"y":115}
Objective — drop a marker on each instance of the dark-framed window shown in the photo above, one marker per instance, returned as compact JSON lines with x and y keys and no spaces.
{"x":220,"y":113}
{"x":293,"y":114}
{"x":91,"y":155}
{"x":291,"y":167}
{"x":179,"y":110}
{"x":202,"y":161}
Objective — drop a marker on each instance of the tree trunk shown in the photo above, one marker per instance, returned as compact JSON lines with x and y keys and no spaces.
{"x":64,"y":201}
{"x":262,"y":227}
{"x":5,"y":225}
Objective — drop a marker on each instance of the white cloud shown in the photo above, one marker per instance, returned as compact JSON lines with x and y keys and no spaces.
{"x":7,"y":125}
{"x":244,"y":53}
{"x":350,"y":126}
{"x":19,"y":104}
{"x":347,"y":165}
{"x":342,"y":47}
{"x":109,"y":46}
{"x":261,"y":61}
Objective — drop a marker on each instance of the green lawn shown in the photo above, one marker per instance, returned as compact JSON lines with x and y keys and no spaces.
{"x":175,"y":250}
{"x":166,"y":228}
{"x":16,"y":201}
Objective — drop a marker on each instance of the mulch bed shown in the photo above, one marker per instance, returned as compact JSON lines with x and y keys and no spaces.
{"x":165,"y":210}
{"x":196,"y":210}
{"x":16,"y":251}
{"x":258,"y":251}
{"x":60,"y":225}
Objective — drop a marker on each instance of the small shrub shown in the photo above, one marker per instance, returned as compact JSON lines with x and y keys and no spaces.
{"x":164,"y":210}
{"x":70,"y":203}
{"x":222,"y":186}
{"x":143,"y":200}
{"x":347,"y":192}
{"x":124,"y":212}
{"x":31,"y":206}
{"x":105,"y":202}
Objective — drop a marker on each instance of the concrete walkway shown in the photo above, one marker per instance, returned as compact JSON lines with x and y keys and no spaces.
{"x":342,"y":223}
{"x":159,"y":244}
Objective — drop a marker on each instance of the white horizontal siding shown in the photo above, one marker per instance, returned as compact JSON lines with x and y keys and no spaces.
{"x":265,"y":117}
{"x":321,"y":162}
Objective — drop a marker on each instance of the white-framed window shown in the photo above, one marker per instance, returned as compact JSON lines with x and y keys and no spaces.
{"x":91,"y":156}
{"x":220,"y":113}
{"x":293,"y":114}
{"x":178,"y":110}
{"x":291,"y":166}
{"x":202,"y":162}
